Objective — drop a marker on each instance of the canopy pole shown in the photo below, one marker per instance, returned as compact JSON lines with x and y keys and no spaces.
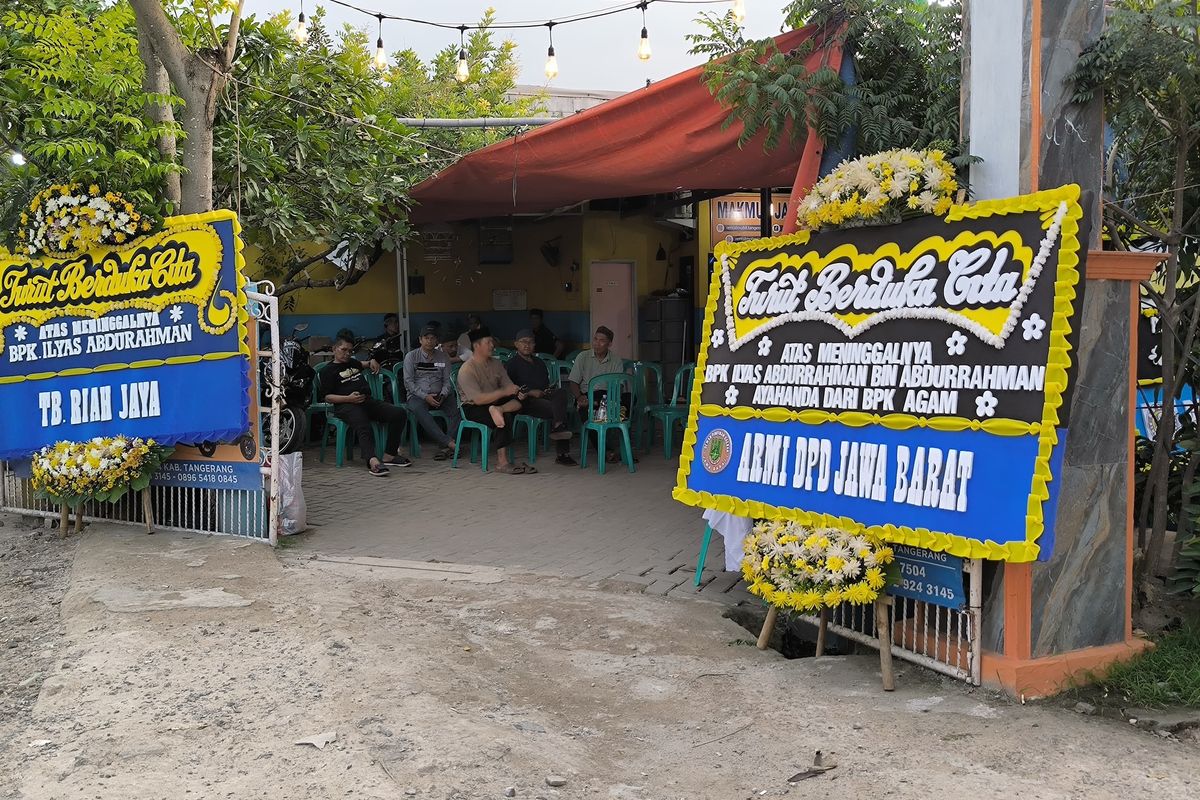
{"x":764,"y":212}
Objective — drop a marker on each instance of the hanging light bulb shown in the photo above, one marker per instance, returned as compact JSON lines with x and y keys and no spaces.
{"x":739,"y":11}
{"x":300,"y":31}
{"x":463,"y":73}
{"x":551,"y":60}
{"x":17,"y":158}
{"x":380,"y":55}
{"x":643,"y":51}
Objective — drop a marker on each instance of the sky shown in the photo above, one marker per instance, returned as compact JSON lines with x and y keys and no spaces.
{"x":597,"y":54}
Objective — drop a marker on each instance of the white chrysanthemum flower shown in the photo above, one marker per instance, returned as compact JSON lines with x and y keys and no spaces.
{"x":851,"y":567}
{"x":926,"y":201}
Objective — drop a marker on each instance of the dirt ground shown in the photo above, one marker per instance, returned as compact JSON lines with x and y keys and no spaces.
{"x":172,"y":666}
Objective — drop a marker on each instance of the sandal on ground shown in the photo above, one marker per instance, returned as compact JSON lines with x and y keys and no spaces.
{"x":378,"y":471}
{"x":529,"y":469}
{"x":399,"y":461}
{"x":511,"y":469}
{"x":443,"y":454}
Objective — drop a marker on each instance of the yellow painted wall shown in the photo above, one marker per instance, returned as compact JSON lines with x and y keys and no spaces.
{"x":461,"y":284}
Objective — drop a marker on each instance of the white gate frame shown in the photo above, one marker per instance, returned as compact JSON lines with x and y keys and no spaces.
{"x":268,"y":313}
{"x":951,"y":645}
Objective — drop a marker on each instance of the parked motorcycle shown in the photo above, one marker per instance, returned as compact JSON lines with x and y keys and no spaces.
{"x":296,"y":377}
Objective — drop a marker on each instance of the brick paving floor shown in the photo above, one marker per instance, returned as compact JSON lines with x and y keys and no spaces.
{"x":620,"y":529}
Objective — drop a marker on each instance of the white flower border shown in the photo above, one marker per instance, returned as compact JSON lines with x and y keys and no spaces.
{"x":943,"y":314}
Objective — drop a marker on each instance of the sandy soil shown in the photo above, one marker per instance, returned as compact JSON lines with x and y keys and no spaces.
{"x":190,"y":667}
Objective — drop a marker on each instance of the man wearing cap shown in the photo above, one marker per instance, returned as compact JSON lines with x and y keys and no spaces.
{"x":427,"y":379}
{"x":600,"y":360}
{"x":544,"y":340}
{"x":529,"y":372}
{"x":490,"y":398}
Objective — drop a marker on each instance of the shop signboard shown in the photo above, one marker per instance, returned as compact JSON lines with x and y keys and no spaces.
{"x":737,"y":217}
{"x":912,"y":379}
{"x":147,"y":339}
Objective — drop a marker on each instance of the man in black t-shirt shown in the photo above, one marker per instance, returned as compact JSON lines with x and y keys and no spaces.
{"x":544,"y":340}
{"x":341,"y":383}
{"x":542,"y":400}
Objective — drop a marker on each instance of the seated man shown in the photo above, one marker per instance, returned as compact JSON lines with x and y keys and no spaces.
{"x":600,"y":360}
{"x":474,"y":323}
{"x":490,"y":398}
{"x":341,"y":383}
{"x":529,"y":372}
{"x":427,"y":379}
{"x":544,"y":340}
{"x":449,"y":346}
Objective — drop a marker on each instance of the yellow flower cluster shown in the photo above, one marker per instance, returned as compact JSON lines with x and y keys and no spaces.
{"x":881,"y":189}
{"x":69,"y":218}
{"x":793,"y":566}
{"x":95,"y":468}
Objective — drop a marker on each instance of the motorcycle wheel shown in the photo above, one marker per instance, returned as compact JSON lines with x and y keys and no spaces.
{"x":291,"y":430}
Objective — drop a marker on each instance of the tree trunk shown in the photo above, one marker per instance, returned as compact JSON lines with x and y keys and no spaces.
{"x":198,"y":78}
{"x":157,"y":81}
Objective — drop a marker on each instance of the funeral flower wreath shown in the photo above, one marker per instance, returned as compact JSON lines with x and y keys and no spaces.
{"x":802,"y":568}
{"x":103,"y":468}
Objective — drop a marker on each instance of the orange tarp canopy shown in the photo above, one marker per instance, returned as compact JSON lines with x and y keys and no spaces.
{"x":660,"y":139}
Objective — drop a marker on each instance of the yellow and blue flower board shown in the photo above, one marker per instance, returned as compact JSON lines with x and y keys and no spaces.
{"x":144,"y":339}
{"x":909,"y":380}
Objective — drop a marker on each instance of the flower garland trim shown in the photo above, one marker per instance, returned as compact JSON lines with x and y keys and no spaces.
{"x":68,"y":218}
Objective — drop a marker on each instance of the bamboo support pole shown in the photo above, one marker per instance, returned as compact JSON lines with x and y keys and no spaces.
{"x":79,"y":518}
{"x":768,"y":626}
{"x":64,"y":521}
{"x":147,"y":510}
{"x":883,"y":630}
{"x":821,"y":630}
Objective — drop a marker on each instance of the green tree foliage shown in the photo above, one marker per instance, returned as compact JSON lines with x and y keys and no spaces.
{"x":307,"y":145}
{"x":1147,"y":68}
{"x":71,"y":102}
{"x":908,"y":59}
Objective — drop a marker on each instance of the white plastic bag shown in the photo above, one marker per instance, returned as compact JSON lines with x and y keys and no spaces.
{"x":292,"y":510}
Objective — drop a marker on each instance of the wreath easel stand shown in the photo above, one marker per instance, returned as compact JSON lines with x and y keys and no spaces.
{"x":883,"y":630}
{"x":65,"y":515}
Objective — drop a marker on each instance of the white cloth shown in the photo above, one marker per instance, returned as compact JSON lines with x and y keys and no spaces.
{"x":733,"y":530}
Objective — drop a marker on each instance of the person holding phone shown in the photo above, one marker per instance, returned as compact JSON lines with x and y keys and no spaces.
{"x":489,"y":397}
{"x":342,"y":384}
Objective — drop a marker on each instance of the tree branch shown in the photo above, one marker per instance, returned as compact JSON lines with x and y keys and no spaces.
{"x":300,"y":266}
{"x":1144,"y":227}
{"x":231,"y":37}
{"x":165,"y":40}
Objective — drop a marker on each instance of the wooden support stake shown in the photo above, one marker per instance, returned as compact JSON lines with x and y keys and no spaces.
{"x":64,"y":521}
{"x":883,"y":629}
{"x":821,"y":628}
{"x":147,"y":510}
{"x":79,"y":518}
{"x":768,"y":626}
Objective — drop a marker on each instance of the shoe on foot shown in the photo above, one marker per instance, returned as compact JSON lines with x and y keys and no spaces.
{"x":378,"y":471}
{"x":444,"y":453}
{"x":399,"y":461}
{"x":566,"y":460}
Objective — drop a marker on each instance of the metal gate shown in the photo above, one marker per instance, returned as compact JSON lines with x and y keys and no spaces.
{"x":251,"y":513}
{"x":942,"y":639}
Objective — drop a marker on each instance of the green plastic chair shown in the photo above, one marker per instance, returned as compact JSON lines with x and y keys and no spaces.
{"x":554,"y":368}
{"x":535,"y":427}
{"x":675,"y":411}
{"x":610,"y":384}
{"x":464,"y":426}
{"x":646,"y":395}
{"x":503,"y":353}
{"x":318,"y":406}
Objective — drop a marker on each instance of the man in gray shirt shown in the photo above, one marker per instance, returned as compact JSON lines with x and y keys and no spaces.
{"x":427,"y":379}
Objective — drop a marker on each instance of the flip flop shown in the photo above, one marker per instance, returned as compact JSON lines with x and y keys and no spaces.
{"x":529,"y":470}
{"x":511,"y":469}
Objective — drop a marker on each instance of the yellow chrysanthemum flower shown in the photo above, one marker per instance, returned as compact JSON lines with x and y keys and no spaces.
{"x":860,"y":594}
{"x":874,"y":578}
{"x":833,"y":597}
